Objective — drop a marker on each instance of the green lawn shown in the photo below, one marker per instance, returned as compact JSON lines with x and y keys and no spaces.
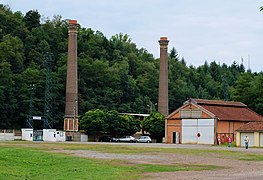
{"x":24,"y":160}
{"x":224,"y":153}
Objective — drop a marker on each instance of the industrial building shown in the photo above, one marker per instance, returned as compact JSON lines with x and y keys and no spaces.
{"x":200,"y":121}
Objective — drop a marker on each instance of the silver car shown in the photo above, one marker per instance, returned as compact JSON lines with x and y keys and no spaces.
{"x":144,"y":139}
{"x":126,"y":139}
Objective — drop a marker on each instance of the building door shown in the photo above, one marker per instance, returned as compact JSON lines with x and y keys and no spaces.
{"x":175,"y":137}
{"x":189,"y":131}
{"x":198,"y":131}
{"x":38,"y":135}
{"x":250,"y":136}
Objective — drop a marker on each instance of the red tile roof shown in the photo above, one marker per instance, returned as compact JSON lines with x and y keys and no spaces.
{"x":219,"y":102}
{"x":228,"y":110}
{"x":251,"y":126}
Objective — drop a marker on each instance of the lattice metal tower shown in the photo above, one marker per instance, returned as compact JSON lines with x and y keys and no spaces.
{"x":48,"y":107}
{"x":29,"y":122}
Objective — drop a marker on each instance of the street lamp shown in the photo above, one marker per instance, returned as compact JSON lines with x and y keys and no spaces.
{"x":151,"y":105}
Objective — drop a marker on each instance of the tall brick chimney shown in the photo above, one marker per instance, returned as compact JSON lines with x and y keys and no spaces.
{"x":163,"y":78}
{"x":71,"y":109}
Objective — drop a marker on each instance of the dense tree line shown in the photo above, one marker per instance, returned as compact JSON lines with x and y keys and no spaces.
{"x":114,"y":74}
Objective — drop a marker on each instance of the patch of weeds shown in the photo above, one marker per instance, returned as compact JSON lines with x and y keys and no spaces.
{"x":251,"y":157}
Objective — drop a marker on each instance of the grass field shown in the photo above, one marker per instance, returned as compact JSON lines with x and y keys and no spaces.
{"x":26,"y":160}
{"x":29,"y":160}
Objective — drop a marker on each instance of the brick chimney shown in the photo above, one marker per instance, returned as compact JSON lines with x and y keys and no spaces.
{"x":71,"y":108}
{"x":163,"y":78}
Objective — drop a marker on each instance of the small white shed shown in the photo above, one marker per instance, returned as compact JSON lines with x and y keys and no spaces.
{"x":27,"y":134}
{"x":49,"y":135}
{"x":60,"y":136}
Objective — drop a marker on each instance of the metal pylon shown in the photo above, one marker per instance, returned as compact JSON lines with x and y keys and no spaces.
{"x":29,"y":122}
{"x":49,"y":60}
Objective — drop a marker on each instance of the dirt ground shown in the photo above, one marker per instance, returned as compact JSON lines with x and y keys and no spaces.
{"x":235,"y":169}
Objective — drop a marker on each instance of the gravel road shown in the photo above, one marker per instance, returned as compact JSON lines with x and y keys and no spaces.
{"x":236,"y":169}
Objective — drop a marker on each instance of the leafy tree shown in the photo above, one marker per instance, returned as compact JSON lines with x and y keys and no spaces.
{"x":174,"y":54}
{"x":248,"y":89}
{"x":257,"y":93}
{"x":242,"y":89}
{"x":115,"y":124}
{"x":111,"y":122}
{"x":11,"y":51}
{"x":12,"y":23}
{"x":93,"y":122}
{"x":132,"y":125}
{"x":154,"y":124}
{"x":8,"y":104}
{"x":32,"y":19}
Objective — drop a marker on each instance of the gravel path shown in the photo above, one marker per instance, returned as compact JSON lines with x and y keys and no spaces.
{"x":236,"y":169}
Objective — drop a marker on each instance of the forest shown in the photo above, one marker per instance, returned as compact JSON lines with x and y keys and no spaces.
{"x":113,"y":73}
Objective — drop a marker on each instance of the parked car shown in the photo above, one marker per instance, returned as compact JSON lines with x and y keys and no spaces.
{"x":126,"y":139}
{"x":144,"y":139}
{"x":107,"y":139}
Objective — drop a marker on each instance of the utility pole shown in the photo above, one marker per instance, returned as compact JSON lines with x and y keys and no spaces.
{"x":152,"y":106}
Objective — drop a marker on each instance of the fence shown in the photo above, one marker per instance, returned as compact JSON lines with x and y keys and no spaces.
{"x":9,"y":134}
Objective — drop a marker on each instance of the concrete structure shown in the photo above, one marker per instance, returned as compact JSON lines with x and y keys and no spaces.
{"x":27,"y":134}
{"x":202,"y":121}
{"x":254,"y":130}
{"x":48,"y":135}
{"x":71,"y":108}
{"x":52,"y":135}
{"x":7,"y":135}
{"x":60,"y":136}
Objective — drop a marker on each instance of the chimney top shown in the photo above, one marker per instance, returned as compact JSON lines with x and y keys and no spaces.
{"x":163,"y":38}
{"x":164,"y":41}
{"x":72,"y":22}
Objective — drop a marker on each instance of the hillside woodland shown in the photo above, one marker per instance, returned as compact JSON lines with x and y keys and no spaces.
{"x":113,"y":73}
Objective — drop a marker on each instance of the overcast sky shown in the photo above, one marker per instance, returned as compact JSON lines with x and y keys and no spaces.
{"x":201,"y":30}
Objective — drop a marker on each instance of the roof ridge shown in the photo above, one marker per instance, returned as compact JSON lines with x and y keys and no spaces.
{"x":217,"y":102}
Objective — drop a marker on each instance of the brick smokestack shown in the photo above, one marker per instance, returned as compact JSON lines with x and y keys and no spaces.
{"x":163,"y":77}
{"x":71,"y":108}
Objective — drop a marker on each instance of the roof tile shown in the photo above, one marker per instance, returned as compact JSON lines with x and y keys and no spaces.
{"x":229,"y":110}
{"x":251,"y":126}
